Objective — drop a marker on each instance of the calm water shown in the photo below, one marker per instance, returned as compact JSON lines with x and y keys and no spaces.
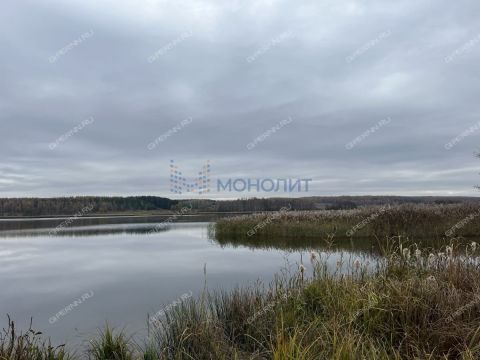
{"x":126,"y":271}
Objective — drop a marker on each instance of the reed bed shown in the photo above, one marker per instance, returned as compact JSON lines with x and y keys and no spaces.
{"x":414,"y":221}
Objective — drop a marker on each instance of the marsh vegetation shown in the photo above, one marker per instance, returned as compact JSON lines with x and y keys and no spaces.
{"x":409,"y":221}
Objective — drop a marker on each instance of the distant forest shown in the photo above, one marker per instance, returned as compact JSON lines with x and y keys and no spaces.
{"x":85,"y":204}
{"x":91,"y":205}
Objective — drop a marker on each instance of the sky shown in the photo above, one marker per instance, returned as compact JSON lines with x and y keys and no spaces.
{"x":364,"y":97}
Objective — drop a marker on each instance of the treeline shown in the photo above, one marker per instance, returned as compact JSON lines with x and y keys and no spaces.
{"x":73,"y":205}
{"x":118,"y":205}
{"x":263,"y":204}
{"x":317,"y":203}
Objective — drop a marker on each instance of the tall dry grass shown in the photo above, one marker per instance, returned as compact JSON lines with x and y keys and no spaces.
{"x":28,"y":345}
{"x":413,"y":305}
{"x":414,"y":221}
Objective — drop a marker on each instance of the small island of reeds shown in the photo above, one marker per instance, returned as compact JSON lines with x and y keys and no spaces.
{"x":409,"y":221}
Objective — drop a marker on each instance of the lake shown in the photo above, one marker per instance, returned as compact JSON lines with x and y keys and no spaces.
{"x":123,"y":272}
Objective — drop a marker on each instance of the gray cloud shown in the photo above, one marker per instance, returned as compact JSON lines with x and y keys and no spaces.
{"x":206,"y":76}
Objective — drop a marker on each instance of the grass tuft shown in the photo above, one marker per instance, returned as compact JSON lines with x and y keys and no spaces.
{"x":30,"y":345}
{"x":111,"y":345}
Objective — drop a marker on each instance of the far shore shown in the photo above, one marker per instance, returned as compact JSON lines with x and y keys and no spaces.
{"x":132,"y":215}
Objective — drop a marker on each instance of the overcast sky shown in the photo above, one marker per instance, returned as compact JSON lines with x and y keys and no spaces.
{"x":367,"y":97}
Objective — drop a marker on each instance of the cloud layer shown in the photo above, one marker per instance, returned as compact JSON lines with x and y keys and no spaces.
{"x":333,"y":70}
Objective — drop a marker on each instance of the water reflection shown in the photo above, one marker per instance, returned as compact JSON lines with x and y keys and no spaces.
{"x":358,"y":245}
{"x":132,"y":273}
{"x":7,"y":224}
{"x":92,"y":230}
